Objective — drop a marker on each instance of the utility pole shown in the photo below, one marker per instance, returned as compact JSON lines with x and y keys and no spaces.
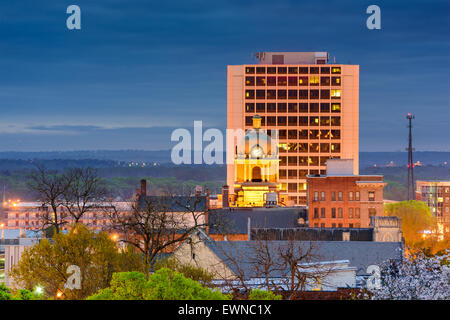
{"x":410,"y":150}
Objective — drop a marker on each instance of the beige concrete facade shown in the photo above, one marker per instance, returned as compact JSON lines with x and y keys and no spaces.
{"x":314,"y":106}
{"x":196,"y":253}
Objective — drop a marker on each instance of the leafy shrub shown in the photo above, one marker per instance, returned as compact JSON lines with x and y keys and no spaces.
{"x":258,"y":294}
{"x":164,"y":284}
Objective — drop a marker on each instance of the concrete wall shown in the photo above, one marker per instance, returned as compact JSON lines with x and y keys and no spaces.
{"x":197,"y":253}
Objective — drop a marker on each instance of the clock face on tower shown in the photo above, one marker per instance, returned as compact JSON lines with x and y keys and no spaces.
{"x":257,"y":152}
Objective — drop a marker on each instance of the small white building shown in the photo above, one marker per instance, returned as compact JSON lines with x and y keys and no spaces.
{"x":337,"y":274}
{"x":14,"y":249}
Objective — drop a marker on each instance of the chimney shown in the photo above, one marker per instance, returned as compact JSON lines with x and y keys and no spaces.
{"x":248,"y":228}
{"x":207,"y":199}
{"x":143,"y":192}
{"x":225,"y":195}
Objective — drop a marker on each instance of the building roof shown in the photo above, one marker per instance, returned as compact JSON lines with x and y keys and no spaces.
{"x":235,"y":220}
{"x":312,"y":234}
{"x":361,"y":254}
{"x":175,"y":203}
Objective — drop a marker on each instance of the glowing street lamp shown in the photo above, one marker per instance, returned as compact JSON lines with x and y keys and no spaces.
{"x":39,"y":290}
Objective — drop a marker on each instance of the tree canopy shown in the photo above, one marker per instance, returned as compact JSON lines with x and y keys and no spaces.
{"x":164,"y":284}
{"x":94,"y":253}
{"x":416,"y":217}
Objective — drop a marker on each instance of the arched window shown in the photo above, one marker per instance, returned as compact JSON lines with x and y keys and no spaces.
{"x":256,"y":174}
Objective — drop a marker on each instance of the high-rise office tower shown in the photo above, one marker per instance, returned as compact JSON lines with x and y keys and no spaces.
{"x":313,"y":103}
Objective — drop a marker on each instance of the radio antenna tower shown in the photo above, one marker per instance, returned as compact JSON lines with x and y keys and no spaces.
{"x":410,"y":150}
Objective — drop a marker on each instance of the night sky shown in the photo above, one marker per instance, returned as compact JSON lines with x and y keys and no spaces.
{"x":137,"y":69}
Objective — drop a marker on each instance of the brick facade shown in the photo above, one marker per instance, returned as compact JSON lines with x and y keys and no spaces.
{"x":344,"y":201}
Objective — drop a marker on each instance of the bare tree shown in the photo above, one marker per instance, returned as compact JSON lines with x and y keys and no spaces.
{"x":85,"y":189}
{"x":68,"y":194}
{"x":285,"y":267}
{"x":50,"y":187}
{"x":155,"y":225}
{"x":300,"y":267}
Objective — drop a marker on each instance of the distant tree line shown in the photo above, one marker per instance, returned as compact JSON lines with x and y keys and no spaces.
{"x":124,"y":180}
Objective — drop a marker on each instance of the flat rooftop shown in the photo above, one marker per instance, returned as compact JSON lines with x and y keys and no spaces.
{"x":292,"y":57}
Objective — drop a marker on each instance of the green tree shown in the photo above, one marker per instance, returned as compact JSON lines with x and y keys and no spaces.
{"x":97,"y":256}
{"x":258,"y":294}
{"x":5,"y":293}
{"x":164,"y":284}
{"x":195,"y":273}
{"x":416,"y":217}
{"x":24,"y":294}
{"x":124,"y":286}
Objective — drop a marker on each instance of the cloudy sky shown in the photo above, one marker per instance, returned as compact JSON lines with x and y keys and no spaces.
{"x":139,"y":68}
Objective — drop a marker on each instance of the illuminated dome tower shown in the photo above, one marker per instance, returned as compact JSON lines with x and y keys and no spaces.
{"x":256,"y":168}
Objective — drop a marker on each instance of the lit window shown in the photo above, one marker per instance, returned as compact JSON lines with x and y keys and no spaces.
{"x":302,"y":81}
{"x":336,"y":70}
{"x":335,"y":93}
{"x":260,"y":81}
{"x":250,"y":81}
{"x":250,"y":70}
{"x":335,"y":147}
{"x":336,"y":81}
{"x":283,"y":146}
{"x":335,"y":107}
{"x":314,"y":80}
{"x":250,"y":107}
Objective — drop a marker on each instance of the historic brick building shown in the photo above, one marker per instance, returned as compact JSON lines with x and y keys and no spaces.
{"x":343,"y":200}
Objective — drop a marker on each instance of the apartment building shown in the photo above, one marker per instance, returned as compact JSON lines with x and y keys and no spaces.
{"x":436,"y":194}
{"x":30,"y":215}
{"x":313,"y":104}
{"x":341,"y":199}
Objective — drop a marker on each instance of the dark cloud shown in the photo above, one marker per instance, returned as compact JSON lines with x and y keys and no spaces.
{"x":163,"y":63}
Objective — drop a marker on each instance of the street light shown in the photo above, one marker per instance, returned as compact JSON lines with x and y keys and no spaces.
{"x":39,"y":290}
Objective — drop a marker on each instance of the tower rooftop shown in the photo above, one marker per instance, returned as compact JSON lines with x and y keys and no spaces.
{"x":292,"y":57}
